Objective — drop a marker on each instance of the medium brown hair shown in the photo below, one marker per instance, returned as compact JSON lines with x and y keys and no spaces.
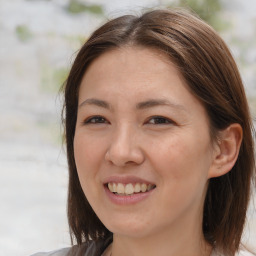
{"x":212,"y":76}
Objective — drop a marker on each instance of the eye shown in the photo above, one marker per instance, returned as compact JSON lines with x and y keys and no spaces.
{"x":95,"y":120}
{"x":159,"y":120}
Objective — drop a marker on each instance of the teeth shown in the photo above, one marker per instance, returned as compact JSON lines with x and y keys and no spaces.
{"x":143,"y":187}
{"x":120,"y":188}
{"x":110,"y":187}
{"x":137,"y":188}
{"x":114,"y":188}
{"x":150,"y":186}
{"x":129,"y":189}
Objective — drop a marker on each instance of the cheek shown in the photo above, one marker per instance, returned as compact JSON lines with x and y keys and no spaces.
{"x":183,"y":177}
{"x":85,"y":153}
{"x":87,"y":165}
{"x":183,"y":162}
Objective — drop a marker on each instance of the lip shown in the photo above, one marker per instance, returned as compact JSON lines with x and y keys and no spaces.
{"x":129,"y":199}
{"x":126,"y":180}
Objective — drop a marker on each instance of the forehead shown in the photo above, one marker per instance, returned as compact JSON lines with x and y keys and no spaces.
{"x":137,"y":56}
{"x":132,"y":72}
{"x":134,"y":65}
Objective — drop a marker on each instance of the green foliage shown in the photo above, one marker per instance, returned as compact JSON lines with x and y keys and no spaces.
{"x":52,"y":78}
{"x":75,"y":7}
{"x":208,"y":10}
{"x":23,"y":33}
{"x":76,"y":40}
{"x":60,"y":75}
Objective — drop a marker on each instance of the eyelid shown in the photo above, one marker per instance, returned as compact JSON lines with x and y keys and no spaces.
{"x":168,"y":120}
{"x":88,"y":120}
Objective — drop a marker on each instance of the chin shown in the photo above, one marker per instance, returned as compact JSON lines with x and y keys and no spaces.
{"x":129,"y":229}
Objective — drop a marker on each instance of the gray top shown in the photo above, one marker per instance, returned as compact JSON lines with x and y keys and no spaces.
{"x":61,"y":252}
{"x":96,"y":249}
{"x":91,"y":249}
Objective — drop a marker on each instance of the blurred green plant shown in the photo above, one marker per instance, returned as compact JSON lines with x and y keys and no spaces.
{"x":208,"y":10}
{"x":52,"y":78}
{"x":60,"y":75}
{"x":23,"y":33}
{"x":75,"y":7}
{"x":75,"y":40}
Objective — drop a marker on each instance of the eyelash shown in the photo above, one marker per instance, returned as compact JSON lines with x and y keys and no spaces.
{"x":158,"y":120}
{"x":95,"y":120}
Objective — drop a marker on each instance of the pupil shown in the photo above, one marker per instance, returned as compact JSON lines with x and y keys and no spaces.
{"x":99,"y":120}
{"x":160,"y":120}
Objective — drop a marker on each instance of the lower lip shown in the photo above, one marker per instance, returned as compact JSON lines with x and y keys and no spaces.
{"x":126,"y":200}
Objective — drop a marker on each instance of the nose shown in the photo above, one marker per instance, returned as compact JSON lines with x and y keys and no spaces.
{"x":124,"y":148}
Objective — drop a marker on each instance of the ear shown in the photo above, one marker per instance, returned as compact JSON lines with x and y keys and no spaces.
{"x":226,"y":150}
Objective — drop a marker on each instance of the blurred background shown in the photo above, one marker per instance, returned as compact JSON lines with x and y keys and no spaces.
{"x":38,"y":42}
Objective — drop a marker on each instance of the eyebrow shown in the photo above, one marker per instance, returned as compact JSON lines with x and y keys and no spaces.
{"x":158,"y":102}
{"x":141,"y":105}
{"x":97,"y":102}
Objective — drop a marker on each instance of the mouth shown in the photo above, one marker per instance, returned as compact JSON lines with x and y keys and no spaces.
{"x":129,"y":189}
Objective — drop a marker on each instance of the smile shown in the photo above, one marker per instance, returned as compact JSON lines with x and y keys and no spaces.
{"x":129,"y":189}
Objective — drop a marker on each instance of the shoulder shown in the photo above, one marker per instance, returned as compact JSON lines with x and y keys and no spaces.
{"x":60,"y":252}
{"x":92,"y":248}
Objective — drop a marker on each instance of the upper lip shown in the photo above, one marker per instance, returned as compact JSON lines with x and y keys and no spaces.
{"x":126,"y":180}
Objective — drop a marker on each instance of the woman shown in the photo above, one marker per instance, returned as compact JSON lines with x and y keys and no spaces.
{"x":159,"y":140}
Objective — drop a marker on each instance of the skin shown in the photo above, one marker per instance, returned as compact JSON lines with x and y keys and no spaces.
{"x":173,"y":151}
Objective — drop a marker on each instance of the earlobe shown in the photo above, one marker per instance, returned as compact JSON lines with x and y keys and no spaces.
{"x":226,"y":151}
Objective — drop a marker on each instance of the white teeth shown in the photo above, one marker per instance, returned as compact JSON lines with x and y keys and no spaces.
{"x":143,"y":187}
{"x":120,"y":188}
{"x":129,"y":188}
{"x":137,"y":188}
{"x":110,"y":186}
{"x":114,"y":188}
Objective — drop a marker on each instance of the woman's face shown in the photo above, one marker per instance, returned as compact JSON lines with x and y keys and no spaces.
{"x":141,"y":133}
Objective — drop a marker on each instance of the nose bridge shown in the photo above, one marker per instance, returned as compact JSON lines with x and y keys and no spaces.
{"x":124,"y":148}
{"x":123,"y":134}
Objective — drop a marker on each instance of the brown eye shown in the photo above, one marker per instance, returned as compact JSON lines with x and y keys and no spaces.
{"x":159,"y":120}
{"x":96,"y":120}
